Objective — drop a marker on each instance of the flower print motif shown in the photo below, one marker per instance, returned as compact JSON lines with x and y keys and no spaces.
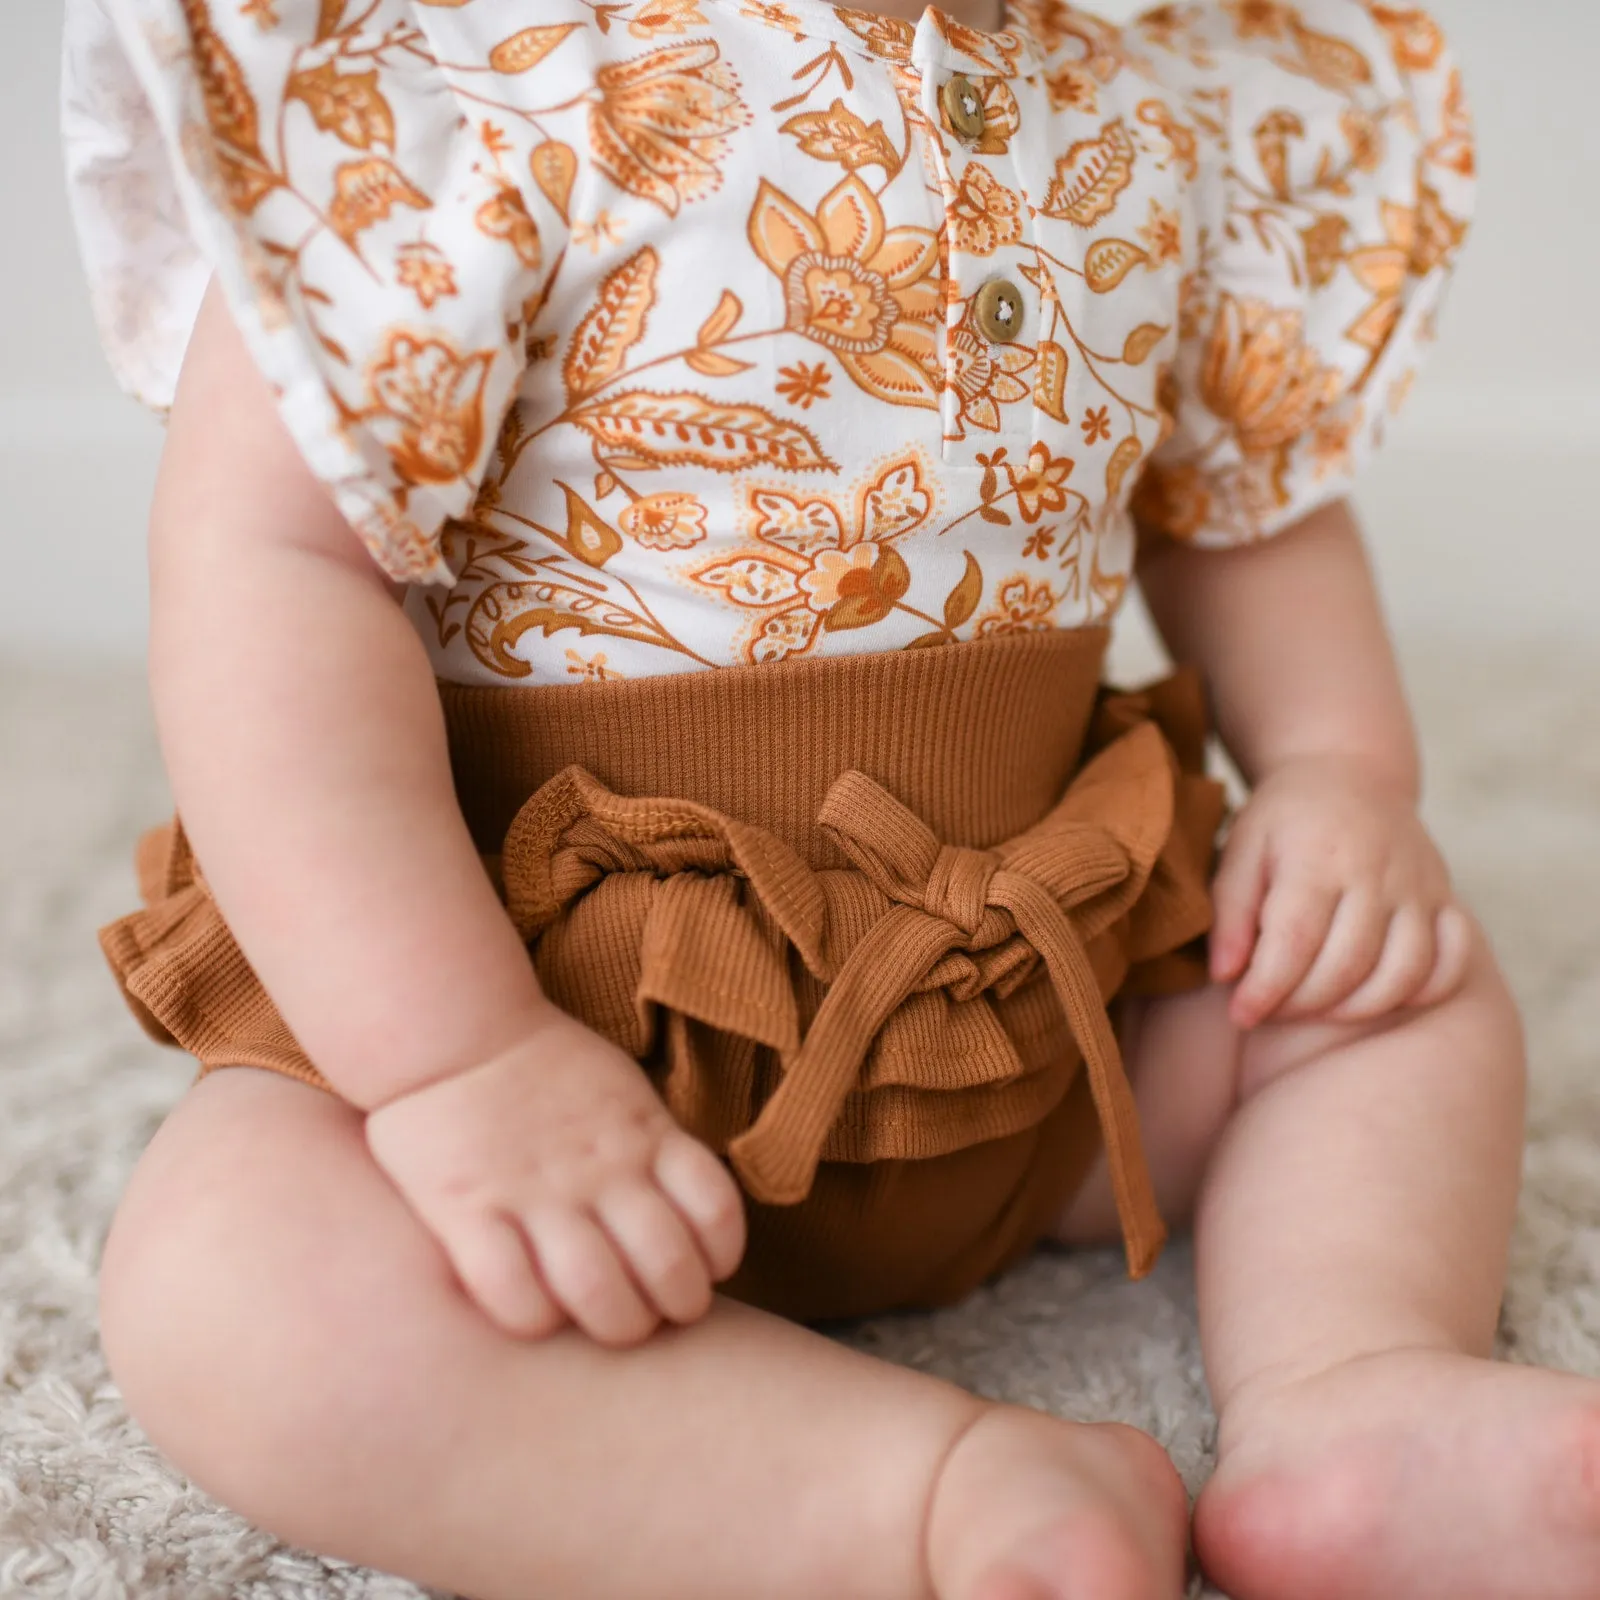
{"x":665,"y":521}
{"x":1096,"y":425}
{"x":425,"y":270}
{"x":595,"y":670}
{"x":1040,"y":542}
{"x":984,"y":377}
{"x":1002,"y":116}
{"x":1324,"y":246}
{"x":1072,"y":89}
{"x":1332,"y":442}
{"x":1419,"y":239}
{"x":985,"y":215}
{"x":1260,"y":376}
{"x":596,"y":234}
{"x":262,"y":12}
{"x":655,"y":19}
{"x":506,"y":217}
{"x":1042,"y":485}
{"x":1021,"y":606}
{"x":867,"y":293}
{"x":1162,"y":235}
{"x":435,"y":395}
{"x":1260,"y":19}
{"x":800,"y":384}
{"x":835,"y":574}
{"x":816,"y":564}
{"x":775,"y":15}
{"x":659,"y":124}
{"x":1174,"y":500}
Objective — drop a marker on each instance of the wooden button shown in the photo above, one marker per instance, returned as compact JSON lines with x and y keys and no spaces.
{"x":963,"y":105}
{"x":998,"y":310}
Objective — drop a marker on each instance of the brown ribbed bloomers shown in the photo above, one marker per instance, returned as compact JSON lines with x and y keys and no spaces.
{"x":859,"y":918}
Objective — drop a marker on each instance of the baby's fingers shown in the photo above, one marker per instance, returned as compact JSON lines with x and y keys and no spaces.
{"x":1402,"y":969}
{"x":492,"y":1260}
{"x":582,"y":1268}
{"x":657,"y":1245}
{"x":1236,"y":895}
{"x":1349,"y":953}
{"x":707,"y":1199}
{"x":1294,"y":925}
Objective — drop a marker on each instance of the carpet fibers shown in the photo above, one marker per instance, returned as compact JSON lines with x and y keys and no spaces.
{"x":88,"y":1511}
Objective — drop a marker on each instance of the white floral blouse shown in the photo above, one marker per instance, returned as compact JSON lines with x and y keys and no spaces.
{"x":666,"y":334}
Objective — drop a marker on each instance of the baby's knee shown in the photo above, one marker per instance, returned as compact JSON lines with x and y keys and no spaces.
{"x":234,"y":1344}
{"x":1476,"y":1024}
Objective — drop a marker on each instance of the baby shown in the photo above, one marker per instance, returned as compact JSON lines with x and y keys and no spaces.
{"x":642,"y":509}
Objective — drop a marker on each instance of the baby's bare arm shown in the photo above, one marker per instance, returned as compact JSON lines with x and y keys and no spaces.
{"x":1331,"y":899}
{"x":306,"y":747}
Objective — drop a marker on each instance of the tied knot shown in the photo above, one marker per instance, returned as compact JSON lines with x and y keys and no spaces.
{"x":958,"y":886}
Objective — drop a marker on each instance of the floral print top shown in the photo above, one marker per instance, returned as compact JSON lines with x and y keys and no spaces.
{"x":659,"y":334}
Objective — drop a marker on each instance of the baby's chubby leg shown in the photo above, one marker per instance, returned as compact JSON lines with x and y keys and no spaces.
{"x":290,"y":1334}
{"x":1351,"y":1235}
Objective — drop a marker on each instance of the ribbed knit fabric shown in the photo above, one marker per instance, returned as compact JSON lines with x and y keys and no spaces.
{"x":859,"y":918}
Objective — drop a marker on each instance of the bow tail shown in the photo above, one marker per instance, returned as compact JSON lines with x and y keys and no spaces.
{"x":1045,"y":926}
{"x":777,"y":1155}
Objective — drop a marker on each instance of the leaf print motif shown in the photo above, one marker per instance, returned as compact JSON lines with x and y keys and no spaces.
{"x":349,"y":105}
{"x":230,"y":111}
{"x":722,"y":321}
{"x":613,"y":325}
{"x":1108,"y":262}
{"x":505,"y":612}
{"x":591,"y":539}
{"x":689,"y":430}
{"x":1050,"y":389}
{"x":713,"y":364}
{"x":365,"y":192}
{"x":1141,"y":342}
{"x":838,"y":134}
{"x":1123,"y":460}
{"x":523,"y":51}
{"x":1091,"y":176}
{"x":555,"y":168}
{"x":1331,"y":62}
{"x":1414,"y":37}
{"x":963,"y":600}
{"x":660,"y":125}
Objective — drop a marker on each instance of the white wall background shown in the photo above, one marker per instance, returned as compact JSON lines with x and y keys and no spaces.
{"x":1484,"y":512}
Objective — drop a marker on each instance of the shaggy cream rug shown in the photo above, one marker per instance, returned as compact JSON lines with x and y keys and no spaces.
{"x":88,"y":1511}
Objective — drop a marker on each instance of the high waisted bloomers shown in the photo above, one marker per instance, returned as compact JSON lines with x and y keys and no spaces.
{"x":860,"y":920}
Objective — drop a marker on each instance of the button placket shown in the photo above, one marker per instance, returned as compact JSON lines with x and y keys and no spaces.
{"x":990,"y":309}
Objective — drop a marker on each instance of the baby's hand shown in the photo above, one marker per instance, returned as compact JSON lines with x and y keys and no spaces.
{"x":1332,"y":901}
{"x":560,"y":1187}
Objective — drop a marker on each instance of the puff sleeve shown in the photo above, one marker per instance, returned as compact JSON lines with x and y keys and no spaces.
{"x":1331,"y":157}
{"x":380,"y":258}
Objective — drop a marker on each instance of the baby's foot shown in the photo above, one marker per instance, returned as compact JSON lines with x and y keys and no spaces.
{"x":1032,"y":1508}
{"x":1420,"y":1473}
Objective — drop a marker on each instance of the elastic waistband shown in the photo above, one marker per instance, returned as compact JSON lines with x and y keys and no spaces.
{"x":979,"y":738}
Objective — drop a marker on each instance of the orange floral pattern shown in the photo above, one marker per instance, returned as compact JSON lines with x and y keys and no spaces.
{"x":643,"y":337}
